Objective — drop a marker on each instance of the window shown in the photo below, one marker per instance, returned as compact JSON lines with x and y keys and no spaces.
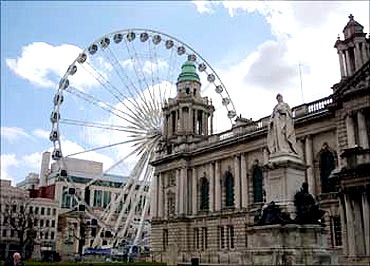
{"x":31,"y":210}
{"x":222,"y":237}
{"x":47,"y":223}
{"x":337,"y":228}
{"x":229,"y":189}
{"x":327,"y":165}
{"x":106,"y":198}
{"x":231,"y":236}
{"x":97,"y":198}
{"x":204,"y":194}
{"x":53,"y":223}
{"x":196,"y":238}
{"x":165,"y":239}
{"x":4,"y":233}
{"x":204,"y":242}
{"x":12,"y":233}
{"x":46,"y":235}
{"x":257,"y":184}
{"x":54,"y":211}
{"x":42,"y":210}
{"x":52,"y":235}
{"x":37,"y":210}
{"x":49,"y":211}
{"x":35,"y":222}
{"x":41,"y":223}
{"x":66,"y":198}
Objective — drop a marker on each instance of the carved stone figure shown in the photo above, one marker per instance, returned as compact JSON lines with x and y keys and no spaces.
{"x":271,"y":214}
{"x":281,"y":135}
{"x":308,"y":212}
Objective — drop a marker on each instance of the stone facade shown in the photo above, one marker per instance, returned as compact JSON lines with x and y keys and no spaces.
{"x":208,"y":187}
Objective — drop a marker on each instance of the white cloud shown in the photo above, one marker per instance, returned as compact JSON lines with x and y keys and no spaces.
{"x":204,"y":6}
{"x":40,"y":133}
{"x":32,"y":161}
{"x":44,"y":64}
{"x":14,"y":133}
{"x":304,"y":34}
{"x":8,"y":161}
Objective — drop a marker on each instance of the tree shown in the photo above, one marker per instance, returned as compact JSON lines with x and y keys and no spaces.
{"x":18,"y":216}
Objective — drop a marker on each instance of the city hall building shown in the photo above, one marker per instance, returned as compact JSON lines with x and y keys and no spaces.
{"x":208,"y":187}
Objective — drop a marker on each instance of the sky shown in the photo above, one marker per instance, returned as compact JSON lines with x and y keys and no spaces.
{"x":256,"y":48}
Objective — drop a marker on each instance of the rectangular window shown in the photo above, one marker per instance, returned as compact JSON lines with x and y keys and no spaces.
{"x":52,"y":235}
{"x":97,"y":198}
{"x":41,"y":223}
{"x":31,"y":210}
{"x":222,"y":237}
{"x":54,"y":211}
{"x":46,"y":235}
{"x":4,"y":233}
{"x":66,"y":199}
{"x":37,"y":210}
{"x":337,"y":231}
{"x":204,"y":238}
{"x":53,"y":223}
{"x":42,"y":210}
{"x":231,"y":236}
{"x":47,"y":223}
{"x":49,"y":211}
{"x":196,"y":238}
{"x":35,"y":222}
{"x":165,"y":239}
{"x":106,"y":198}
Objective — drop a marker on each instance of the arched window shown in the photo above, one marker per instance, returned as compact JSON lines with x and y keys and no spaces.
{"x":257,"y":184}
{"x":327,"y":165}
{"x":229,"y":189}
{"x":204,"y":194}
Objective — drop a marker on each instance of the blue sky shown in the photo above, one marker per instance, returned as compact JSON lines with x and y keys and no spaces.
{"x":254,"y":47}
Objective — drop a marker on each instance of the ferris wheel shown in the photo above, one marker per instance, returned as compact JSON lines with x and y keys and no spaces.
{"x":110,"y":102}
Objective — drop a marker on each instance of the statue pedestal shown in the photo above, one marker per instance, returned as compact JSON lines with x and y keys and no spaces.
{"x":289,"y":244}
{"x":285,"y":173}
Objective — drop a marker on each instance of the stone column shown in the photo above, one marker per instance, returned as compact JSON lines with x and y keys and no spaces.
{"x":350,"y":132}
{"x":211,"y":124}
{"x":170,"y":132}
{"x":359,"y":230}
{"x":358,"y":61}
{"x":265,"y":156}
{"x":218,"y":187}
{"x":190,"y":121}
{"x":211,"y":187}
{"x":350,"y":226}
{"x":237,"y":182}
{"x":186,"y":191}
{"x":366,"y":221}
{"x":309,"y":163}
{"x":348,"y":64}
{"x":181,"y":190}
{"x":178,"y":178}
{"x":244,"y":180}
{"x":153,"y":204}
{"x":362,"y":131}
{"x":340,"y":54}
{"x":364,"y":52}
{"x":343,"y":222}
{"x":180,"y":121}
{"x":160,"y":196}
{"x":194,"y":194}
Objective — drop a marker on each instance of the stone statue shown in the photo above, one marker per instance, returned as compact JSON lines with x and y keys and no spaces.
{"x":308,"y":212}
{"x":281,"y":135}
{"x":271,"y":214}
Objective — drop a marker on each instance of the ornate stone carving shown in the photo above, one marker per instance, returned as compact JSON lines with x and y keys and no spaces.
{"x":281,"y":136}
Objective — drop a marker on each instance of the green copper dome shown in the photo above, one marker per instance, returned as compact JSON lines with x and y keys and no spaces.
{"x":188,"y":72}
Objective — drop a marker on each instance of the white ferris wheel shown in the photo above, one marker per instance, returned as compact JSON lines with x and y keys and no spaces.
{"x":111,"y":97}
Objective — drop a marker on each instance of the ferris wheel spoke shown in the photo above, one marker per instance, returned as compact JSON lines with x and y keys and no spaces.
{"x":103,"y":105}
{"x":154,"y":57}
{"x":132,"y":57}
{"x":121,"y":74}
{"x":113,"y":90}
{"x":127,"y":129}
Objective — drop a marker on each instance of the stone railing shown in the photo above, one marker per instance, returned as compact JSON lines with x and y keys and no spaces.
{"x":312,"y":107}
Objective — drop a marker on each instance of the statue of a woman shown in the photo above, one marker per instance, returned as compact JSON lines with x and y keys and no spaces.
{"x":281,"y":136}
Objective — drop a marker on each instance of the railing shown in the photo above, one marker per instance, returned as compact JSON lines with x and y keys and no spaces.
{"x":312,"y":107}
